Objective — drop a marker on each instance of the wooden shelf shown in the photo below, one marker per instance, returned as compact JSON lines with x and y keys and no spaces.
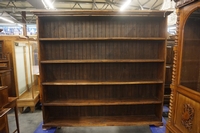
{"x":167,"y":85}
{"x":104,"y":39}
{"x":167,"y":96}
{"x":2,"y":61}
{"x":10,"y":101}
{"x":170,"y":40}
{"x":104,"y":121}
{"x":190,"y":60}
{"x":29,"y":95}
{"x":188,"y":81}
{"x":3,"y":87}
{"x":191,"y":40}
{"x":4,"y":71}
{"x":3,"y":111}
{"x":102,"y":61}
{"x":87,"y":102}
{"x":84,"y":82}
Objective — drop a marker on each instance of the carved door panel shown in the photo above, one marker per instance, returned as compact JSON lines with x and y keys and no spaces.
{"x":187,"y":116}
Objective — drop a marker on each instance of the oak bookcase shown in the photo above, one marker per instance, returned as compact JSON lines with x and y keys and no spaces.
{"x":102,"y":68}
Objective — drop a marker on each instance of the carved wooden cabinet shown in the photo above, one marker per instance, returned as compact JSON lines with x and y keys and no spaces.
{"x":102,"y":68}
{"x":3,"y":96}
{"x":21,"y":64}
{"x":5,"y":79}
{"x":184,"y":114}
{"x":3,"y":111}
{"x":4,"y":120}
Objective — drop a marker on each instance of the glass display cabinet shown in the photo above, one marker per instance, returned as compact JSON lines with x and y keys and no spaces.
{"x":23,"y":66}
{"x":184,"y":116}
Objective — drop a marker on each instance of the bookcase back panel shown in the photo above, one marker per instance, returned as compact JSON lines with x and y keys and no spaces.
{"x":102,"y":50}
{"x":95,"y":92}
{"x":100,"y":111}
{"x":103,"y":71}
{"x":106,"y":26}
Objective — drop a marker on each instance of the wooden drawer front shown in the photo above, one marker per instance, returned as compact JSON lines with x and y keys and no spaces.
{"x":3,"y":65}
{"x":187,"y":116}
{"x":3,"y":124}
{"x":3,"y":97}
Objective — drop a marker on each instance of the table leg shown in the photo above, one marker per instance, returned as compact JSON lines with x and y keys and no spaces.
{"x":16,"y":118}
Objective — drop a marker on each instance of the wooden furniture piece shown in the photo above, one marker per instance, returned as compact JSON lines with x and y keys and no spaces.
{"x":168,"y":72}
{"x":6,"y":70}
{"x":5,"y":73}
{"x":6,"y":103}
{"x":12,"y":103}
{"x":184,"y":116}
{"x":6,"y":90}
{"x":3,"y":111}
{"x":29,"y":99}
{"x":102,"y":68}
{"x":4,"y":61}
{"x":5,"y":80}
{"x":21,"y":49}
{"x":3,"y":96}
{"x":1,"y":44}
{"x":4,"y":120}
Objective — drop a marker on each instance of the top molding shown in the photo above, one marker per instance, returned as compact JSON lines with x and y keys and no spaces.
{"x":136,"y":13}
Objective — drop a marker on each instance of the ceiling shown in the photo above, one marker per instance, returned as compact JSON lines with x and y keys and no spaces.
{"x":12,"y":9}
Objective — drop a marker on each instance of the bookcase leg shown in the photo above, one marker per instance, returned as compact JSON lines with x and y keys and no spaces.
{"x":167,"y":131}
{"x":46,"y":127}
{"x":32,"y":109}
{"x":21,"y":109}
{"x":157,"y":125}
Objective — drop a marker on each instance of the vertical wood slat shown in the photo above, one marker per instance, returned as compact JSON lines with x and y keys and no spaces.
{"x":52,"y":33}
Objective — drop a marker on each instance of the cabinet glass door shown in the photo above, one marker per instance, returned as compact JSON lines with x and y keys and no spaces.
{"x":190,"y":71}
